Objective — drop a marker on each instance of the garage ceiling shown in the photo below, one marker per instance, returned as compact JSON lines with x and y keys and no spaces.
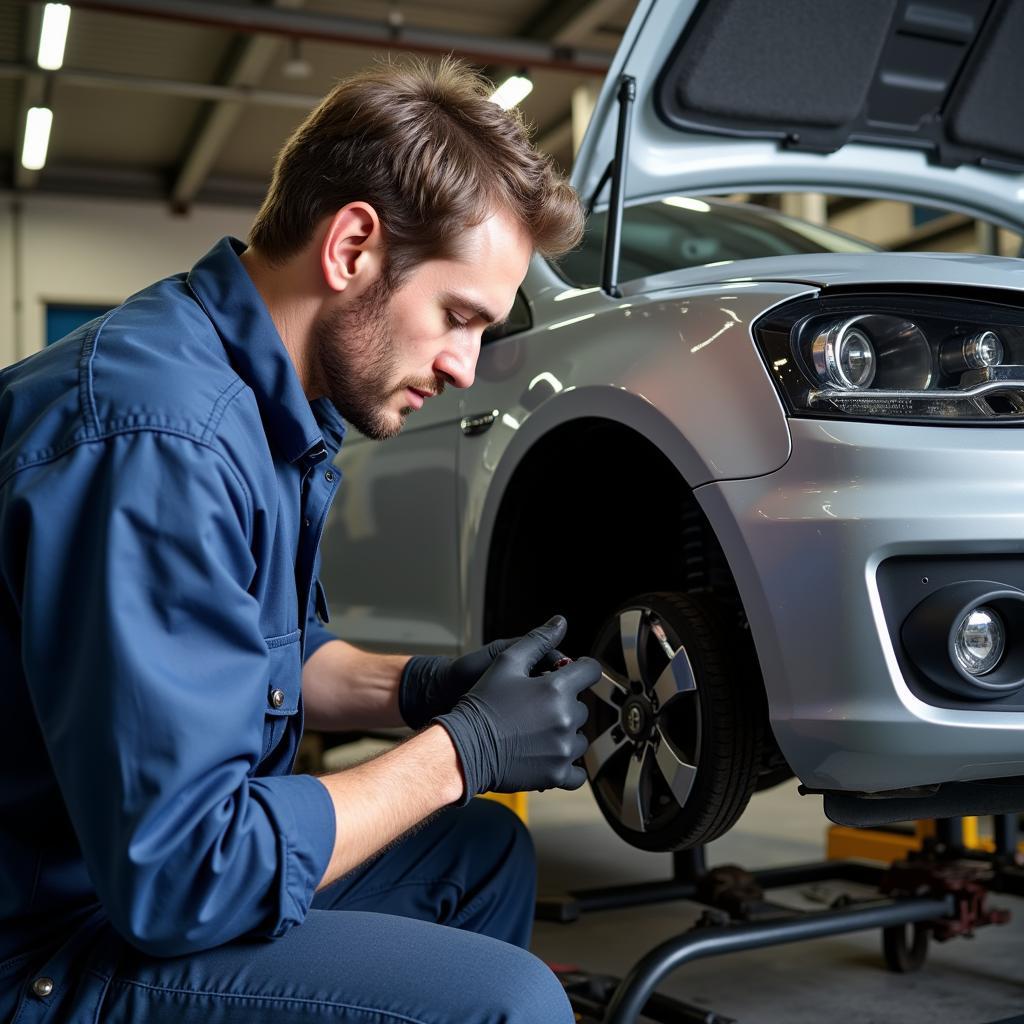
{"x":185,"y":101}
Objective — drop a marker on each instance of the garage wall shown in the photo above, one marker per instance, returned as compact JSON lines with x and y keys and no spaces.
{"x":92,"y":252}
{"x":7,"y":345}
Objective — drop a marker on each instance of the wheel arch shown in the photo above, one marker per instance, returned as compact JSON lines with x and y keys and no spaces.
{"x":586,"y":483}
{"x":570,"y":502}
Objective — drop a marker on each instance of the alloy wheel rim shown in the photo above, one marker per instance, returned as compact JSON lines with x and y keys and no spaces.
{"x":644,"y":727}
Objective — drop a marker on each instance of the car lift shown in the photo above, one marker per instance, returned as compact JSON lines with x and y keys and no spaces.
{"x":938,"y":891}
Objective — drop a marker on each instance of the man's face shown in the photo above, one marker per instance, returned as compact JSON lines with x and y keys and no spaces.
{"x":380,"y":356}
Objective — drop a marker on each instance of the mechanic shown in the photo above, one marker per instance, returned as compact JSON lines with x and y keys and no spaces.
{"x":165,"y":474}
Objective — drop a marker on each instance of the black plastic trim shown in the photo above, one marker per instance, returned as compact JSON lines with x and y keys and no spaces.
{"x":906,"y":580}
{"x":953,"y":800}
{"x":511,"y":326}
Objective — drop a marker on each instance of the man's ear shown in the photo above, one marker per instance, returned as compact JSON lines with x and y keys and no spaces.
{"x":352,"y":252}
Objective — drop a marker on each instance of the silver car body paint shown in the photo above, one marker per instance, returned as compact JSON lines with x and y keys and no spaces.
{"x":805,"y":510}
{"x":665,"y":159}
{"x":827,"y":269}
{"x":395,"y":586}
{"x":398,"y":587}
{"x":680,"y":369}
{"x":804,"y":544}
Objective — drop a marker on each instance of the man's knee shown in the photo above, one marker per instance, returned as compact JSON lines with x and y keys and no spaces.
{"x":495,"y":830}
{"x":500,"y":873}
{"x":529,"y":993}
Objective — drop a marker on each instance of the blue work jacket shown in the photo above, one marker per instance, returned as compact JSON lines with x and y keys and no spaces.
{"x":164,"y":484}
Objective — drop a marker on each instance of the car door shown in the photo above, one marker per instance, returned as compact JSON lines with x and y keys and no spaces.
{"x":389,"y":554}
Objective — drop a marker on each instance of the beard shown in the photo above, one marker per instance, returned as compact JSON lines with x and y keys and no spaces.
{"x":356,"y":355}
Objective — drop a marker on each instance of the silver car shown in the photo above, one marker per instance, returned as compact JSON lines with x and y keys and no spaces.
{"x":791,"y":467}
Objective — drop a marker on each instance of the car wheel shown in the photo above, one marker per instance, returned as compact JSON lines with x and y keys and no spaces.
{"x":675,"y":724}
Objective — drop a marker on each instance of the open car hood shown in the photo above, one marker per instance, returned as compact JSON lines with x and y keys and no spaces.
{"x":920,"y":100}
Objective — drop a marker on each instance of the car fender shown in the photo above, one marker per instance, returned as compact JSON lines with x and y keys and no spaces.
{"x":676,"y":412}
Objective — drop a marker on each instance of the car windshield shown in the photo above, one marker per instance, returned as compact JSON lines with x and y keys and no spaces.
{"x":679,"y":232}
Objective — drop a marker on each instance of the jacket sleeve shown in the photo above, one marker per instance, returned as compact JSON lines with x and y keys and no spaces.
{"x":148,"y":671}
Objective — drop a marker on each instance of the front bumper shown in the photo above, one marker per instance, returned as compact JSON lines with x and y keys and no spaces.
{"x":805,"y":543}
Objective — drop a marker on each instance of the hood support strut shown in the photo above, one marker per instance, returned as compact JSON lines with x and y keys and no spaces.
{"x":616,"y":171}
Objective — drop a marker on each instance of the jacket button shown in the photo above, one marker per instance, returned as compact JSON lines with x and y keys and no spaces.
{"x":329,"y":476}
{"x":42,"y":987}
{"x":277,"y":698}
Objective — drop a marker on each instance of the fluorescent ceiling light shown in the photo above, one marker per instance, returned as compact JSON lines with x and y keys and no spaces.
{"x":512,"y":91}
{"x":686,"y":203}
{"x":37,"y":138}
{"x":53,"y":36}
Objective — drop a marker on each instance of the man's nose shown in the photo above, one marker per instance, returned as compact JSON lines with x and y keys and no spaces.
{"x":457,"y":361}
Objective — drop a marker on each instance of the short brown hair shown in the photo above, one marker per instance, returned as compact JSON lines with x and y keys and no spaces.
{"x":428,"y":150}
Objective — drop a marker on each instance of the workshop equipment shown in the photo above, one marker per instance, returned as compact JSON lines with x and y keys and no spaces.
{"x":887,"y":843}
{"x":939,"y":892}
{"x":590,"y":994}
{"x":515,"y":802}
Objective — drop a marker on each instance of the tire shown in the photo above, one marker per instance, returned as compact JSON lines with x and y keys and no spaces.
{"x":675,"y":724}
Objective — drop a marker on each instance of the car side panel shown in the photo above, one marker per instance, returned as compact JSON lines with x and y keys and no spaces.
{"x":389,"y":554}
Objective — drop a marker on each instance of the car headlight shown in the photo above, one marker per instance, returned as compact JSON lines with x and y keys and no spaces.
{"x":897,"y":357}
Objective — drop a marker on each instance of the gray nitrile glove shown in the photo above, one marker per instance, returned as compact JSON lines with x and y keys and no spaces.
{"x":513,"y":731}
{"x":430,"y":686}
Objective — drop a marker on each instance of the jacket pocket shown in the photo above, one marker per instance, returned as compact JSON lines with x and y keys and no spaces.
{"x":284,"y":687}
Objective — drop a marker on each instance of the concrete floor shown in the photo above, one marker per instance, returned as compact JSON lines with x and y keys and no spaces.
{"x":840,"y":979}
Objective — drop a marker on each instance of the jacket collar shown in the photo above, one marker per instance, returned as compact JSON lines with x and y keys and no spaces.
{"x":294,"y":425}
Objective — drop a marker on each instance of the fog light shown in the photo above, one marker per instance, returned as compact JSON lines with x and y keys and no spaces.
{"x":980,"y":641}
{"x":968,"y":638}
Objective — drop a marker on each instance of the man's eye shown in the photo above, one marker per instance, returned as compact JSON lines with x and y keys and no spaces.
{"x":454,"y":321}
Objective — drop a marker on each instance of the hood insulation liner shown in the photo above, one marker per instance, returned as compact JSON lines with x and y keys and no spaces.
{"x":945,"y":76}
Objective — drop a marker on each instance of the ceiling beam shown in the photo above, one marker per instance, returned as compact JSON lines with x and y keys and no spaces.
{"x":250,"y":18}
{"x":249,"y":65}
{"x":218,"y":121}
{"x":141,"y":183}
{"x":568,"y":21}
{"x":165,"y":86}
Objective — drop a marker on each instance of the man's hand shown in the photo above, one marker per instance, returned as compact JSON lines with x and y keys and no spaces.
{"x":430,"y":686}
{"x":513,"y":730}
{"x":516,"y":731}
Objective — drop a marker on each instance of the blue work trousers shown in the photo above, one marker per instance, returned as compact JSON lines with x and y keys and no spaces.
{"x":432,"y":931}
